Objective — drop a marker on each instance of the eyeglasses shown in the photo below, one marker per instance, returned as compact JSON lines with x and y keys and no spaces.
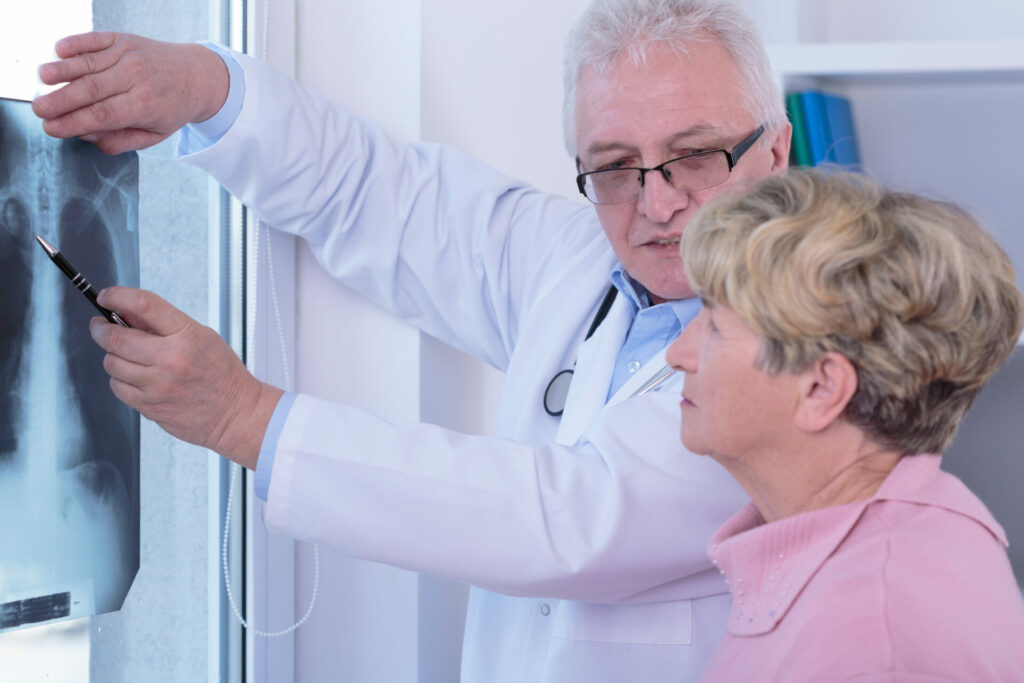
{"x":692,"y":172}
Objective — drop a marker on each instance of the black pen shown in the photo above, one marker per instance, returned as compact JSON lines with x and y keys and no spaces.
{"x":78,"y":281}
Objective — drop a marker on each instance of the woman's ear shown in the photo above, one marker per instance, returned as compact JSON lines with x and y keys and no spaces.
{"x":826,"y":387}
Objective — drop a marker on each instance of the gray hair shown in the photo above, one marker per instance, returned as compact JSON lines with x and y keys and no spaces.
{"x":609,"y":29}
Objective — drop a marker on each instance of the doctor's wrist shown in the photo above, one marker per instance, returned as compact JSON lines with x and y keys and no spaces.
{"x":242,"y":437}
{"x":209,"y":83}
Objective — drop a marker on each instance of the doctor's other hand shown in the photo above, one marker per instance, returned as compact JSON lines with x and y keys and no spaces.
{"x":183,"y":376}
{"x":125,"y":92}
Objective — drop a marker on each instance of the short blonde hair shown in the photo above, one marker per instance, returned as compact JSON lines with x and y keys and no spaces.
{"x":913,"y":292}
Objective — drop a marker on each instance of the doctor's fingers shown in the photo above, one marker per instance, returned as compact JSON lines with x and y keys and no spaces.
{"x":118,"y":141}
{"x":90,"y":102}
{"x":127,"y":372}
{"x":149,"y":392}
{"x":135,"y":346}
{"x":146,"y":310}
{"x":187,"y":422}
{"x":135,"y":84}
{"x":127,"y":394}
{"x":82,"y":43}
{"x":179,"y":367}
{"x":81,"y":54}
{"x":149,"y":406}
{"x":177,"y":380}
{"x":116,"y":111}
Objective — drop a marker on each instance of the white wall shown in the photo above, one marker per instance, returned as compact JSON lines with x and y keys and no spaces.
{"x":365,"y":625}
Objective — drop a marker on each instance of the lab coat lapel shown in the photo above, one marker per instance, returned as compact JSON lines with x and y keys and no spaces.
{"x":595,"y":363}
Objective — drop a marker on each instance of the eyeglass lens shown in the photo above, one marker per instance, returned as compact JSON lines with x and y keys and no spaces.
{"x":697,"y":172}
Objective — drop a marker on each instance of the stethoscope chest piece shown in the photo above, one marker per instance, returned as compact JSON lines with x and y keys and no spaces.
{"x":557,"y":392}
{"x":558,"y":388}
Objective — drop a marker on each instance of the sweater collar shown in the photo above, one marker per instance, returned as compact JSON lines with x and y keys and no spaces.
{"x":767,"y":565}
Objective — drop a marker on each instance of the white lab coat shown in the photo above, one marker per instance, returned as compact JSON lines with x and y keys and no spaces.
{"x":599,"y":521}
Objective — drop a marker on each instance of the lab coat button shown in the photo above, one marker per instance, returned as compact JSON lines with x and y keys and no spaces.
{"x":545,"y":609}
{"x":634,"y":366}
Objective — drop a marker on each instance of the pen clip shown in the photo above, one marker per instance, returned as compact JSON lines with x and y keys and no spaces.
{"x":654,"y":382}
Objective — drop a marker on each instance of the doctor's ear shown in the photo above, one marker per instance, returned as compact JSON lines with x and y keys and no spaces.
{"x":826,"y":387}
{"x":780,"y":148}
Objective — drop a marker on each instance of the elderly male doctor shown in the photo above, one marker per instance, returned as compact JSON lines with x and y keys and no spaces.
{"x":583,"y":533}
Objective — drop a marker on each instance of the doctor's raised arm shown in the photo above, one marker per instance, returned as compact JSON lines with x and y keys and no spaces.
{"x":586,"y":500}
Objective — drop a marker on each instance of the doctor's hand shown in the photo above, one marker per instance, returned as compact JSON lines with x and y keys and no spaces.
{"x":183,"y":376}
{"x":125,"y":92}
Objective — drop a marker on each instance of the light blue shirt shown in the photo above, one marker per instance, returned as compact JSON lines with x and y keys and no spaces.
{"x":265,"y":465}
{"x":652,"y":329}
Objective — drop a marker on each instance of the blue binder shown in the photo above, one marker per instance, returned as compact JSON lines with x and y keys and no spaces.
{"x":831,"y":136}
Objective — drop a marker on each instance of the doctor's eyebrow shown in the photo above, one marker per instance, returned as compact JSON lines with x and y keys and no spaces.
{"x":697,"y":130}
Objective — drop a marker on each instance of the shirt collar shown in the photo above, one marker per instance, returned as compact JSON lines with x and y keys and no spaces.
{"x":635,"y":293}
{"x":639,"y":299}
{"x":767,"y":565}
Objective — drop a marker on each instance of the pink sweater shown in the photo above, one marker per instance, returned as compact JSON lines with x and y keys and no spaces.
{"x":912,"y":585}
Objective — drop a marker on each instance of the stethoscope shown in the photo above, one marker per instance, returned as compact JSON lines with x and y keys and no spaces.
{"x":558,"y":388}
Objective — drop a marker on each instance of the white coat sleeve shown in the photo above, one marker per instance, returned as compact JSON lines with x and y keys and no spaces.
{"x":461,"y":252}
{"x":548,"y":521}
{"x":423,"y":230}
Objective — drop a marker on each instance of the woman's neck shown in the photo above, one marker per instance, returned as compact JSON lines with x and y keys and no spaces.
{"x":815,"y":473}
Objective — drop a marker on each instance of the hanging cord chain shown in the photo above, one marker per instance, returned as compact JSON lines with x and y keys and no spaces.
{"x":288,"y":385}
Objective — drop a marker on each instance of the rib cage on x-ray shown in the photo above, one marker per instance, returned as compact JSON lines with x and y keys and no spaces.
{"x":69,"y":478}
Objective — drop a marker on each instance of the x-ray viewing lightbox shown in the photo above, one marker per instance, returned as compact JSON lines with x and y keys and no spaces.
{"x":69,"y":450}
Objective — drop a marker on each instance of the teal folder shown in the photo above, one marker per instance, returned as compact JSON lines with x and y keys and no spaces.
{"x":799,"y":154}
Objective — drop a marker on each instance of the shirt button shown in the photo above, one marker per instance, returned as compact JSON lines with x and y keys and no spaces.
{"x":545,"y":609}
{"x":634,"y":366}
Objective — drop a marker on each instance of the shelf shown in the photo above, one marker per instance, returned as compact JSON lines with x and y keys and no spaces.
{"x":911,"y":97}
{"x":898,"y":58}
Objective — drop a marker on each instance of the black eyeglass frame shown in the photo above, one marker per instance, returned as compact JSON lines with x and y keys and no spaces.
{"x":732,"y":157}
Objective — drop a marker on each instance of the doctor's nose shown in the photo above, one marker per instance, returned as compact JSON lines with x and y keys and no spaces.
{"x":659,"y":200}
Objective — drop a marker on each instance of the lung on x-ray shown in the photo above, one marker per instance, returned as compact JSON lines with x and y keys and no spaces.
{"x":69,"y":450}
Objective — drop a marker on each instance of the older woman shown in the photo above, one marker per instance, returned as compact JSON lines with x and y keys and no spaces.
{"x":845,"y":332}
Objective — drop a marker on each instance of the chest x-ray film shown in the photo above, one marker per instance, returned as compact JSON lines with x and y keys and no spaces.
{"x":69,"y":450}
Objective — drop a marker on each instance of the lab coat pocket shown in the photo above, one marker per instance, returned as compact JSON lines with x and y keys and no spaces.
{"x":656,"y":623}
